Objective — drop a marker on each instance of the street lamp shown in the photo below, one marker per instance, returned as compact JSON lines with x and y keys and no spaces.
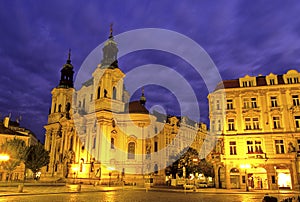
{"x":246,"y":166}
{"x":4,"y":157}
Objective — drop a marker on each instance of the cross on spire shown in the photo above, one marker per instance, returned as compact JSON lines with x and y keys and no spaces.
{"x":111,"y":30}
{"x":69,"y":56}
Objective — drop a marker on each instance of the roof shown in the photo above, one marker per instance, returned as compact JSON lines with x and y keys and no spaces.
{"x":135,"y":107}
{"x":234,"y":83}
{"x":4,"y":130}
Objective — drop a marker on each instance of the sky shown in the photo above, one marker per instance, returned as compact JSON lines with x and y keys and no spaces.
{"x":240,"y":37}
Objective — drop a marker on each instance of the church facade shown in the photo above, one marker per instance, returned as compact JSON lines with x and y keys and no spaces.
{"x":96,"y":134}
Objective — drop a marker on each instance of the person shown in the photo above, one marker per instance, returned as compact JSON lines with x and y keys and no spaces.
{"x":268,"y":198}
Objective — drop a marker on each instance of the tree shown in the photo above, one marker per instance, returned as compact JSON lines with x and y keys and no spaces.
{"x":16,"y":150}
{"x":206,"y":168}
{"x":36,"y":158}
{"x":187,"y":159}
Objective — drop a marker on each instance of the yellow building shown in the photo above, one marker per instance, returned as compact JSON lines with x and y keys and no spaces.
{"x":8,"y":131}
{"x":256,"y":123}
{"x":95,"y":133}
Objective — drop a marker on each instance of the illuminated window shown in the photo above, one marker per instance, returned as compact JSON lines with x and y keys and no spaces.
{"x":232,"y":145}
{"x":297,"y":122}
{"x":230,"y":124}
{"x":254,"y":146}
{"x":279,"y":146}
{"x":296,"y":101}
{"x":274,"y":101}
{"x":131,"y":150}
{"x":276,"y":122}
{"x":229,"y":104}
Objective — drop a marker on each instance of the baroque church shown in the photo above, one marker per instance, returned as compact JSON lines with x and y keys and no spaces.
{"x":96,"y":134}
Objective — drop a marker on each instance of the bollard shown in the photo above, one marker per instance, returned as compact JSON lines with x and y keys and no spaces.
{"x":20,"y":188}
{"x":78,"y":188}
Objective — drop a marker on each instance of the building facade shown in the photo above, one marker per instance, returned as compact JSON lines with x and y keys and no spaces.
{"x":256,"y":124}
{"x":95,"y":133}
{"x":8,"y":131}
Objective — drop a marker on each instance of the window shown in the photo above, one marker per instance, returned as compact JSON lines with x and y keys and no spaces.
{"x":219,"y":125}
{"x":257,"y":146}
{"x":218,"y":104}
{"x":98,"y":93}
{"x":290,"y":80}
{"x":274,"y":101}
{"x":297,"y":122}
{"x":250,"y":146}
{"x":253,"y":102}
{"x":272,"y":81}
{"x":229,"y":104}
{"x":114,"y":93}
{"x":246,"y":103}
{"x":298,"y":143}
{"x":296,"y":80}
{"x":248,"y":123}
{"x":279,"y":146}
{"x":155,"y":146}
{"x":230,"y":124}
{"x":232,"y":145}
{"x":131,"y":150}
{"x":91,"y":97}
{"x":245,"y":83}
{"x":213,"y":126}
{"x":296,"y":101}
{"x":112,"y":143}
{"x":276,"y":122}
{"x":255,"y":123}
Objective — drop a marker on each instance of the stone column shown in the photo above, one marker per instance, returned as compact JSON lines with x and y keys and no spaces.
{"x":227,"y":177}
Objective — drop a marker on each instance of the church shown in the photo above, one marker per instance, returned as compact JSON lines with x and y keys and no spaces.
{"x":96,"y":134}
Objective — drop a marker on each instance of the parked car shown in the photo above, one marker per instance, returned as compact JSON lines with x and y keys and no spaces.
{"x":201,"y":185}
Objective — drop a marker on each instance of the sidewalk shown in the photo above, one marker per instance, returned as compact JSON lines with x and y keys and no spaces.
{"x":60,"y":188}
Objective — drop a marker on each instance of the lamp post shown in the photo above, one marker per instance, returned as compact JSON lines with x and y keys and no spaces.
{"x":246,"y":166}
{"x":4,"y":157}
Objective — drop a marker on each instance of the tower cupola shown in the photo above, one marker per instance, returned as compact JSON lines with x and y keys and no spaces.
{"x":66,"y":78}
{"x":110,"y":52}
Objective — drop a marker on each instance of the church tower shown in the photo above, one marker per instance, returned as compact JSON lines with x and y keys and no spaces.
{"x":59,"y":129}
{"x":108,"y":80}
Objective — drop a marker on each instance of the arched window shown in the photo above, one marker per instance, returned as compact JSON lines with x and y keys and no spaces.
{"x":54,"y":110}
{"x":59,"y":108}
{"x":112,"y":143}
{"x":98,"y":93}
{"x":114,"y":93}
{"x":131,"y":150}
{"x":83,"y":103}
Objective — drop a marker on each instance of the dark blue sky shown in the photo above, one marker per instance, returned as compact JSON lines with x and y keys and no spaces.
{"x":241,"y":37}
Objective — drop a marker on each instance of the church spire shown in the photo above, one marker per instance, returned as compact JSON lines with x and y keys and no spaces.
{"x":66,"y":74}
{"x":110,"y":51}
